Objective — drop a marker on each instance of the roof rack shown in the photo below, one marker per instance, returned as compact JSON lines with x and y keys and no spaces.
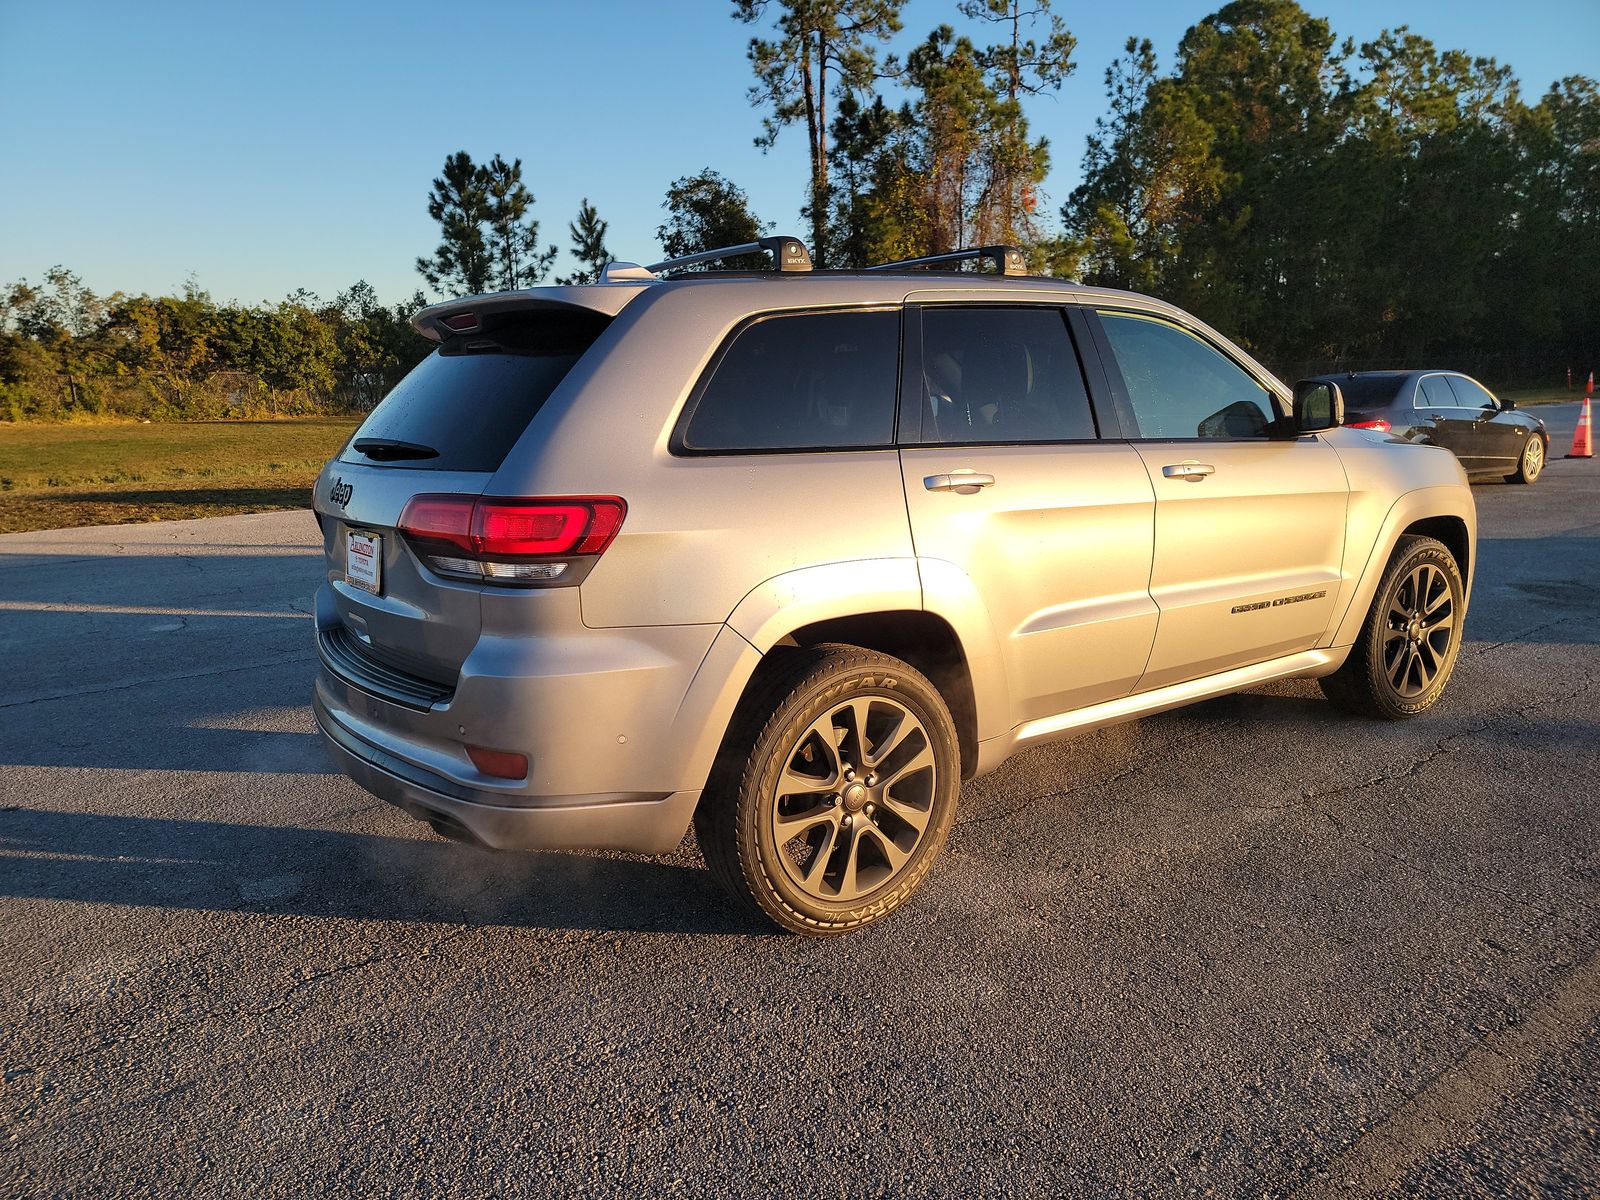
{"x":788,"y":255}
{"x":1008,"y":260}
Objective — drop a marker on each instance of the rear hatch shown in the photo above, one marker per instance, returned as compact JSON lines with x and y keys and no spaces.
{"x":444,"y":430}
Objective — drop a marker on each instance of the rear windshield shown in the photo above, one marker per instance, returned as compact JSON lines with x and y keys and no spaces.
{"x":1369,"y":391}
{"x":465,"y":405}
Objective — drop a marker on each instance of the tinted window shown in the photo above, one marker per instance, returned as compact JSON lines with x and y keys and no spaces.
{"x":1469,"y":393}
{"x":806,"y":381}
{"x":471,"y":399}
{"x":1182,"y":387}
{"x":1368,"y":391}
{"x":1002,"y":375}
{"x":1434,"y":392}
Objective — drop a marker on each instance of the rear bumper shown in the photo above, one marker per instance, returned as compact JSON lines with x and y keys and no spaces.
{"x":639,"y":824}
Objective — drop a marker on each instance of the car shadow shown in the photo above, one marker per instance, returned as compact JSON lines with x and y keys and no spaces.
{"x":283,"y":870}
{"x":154,"y":744}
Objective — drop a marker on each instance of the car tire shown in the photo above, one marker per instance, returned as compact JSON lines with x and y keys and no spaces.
{"x":1409,"y":643}
{"x":853,"y":755}
{"x":1531,"y":465}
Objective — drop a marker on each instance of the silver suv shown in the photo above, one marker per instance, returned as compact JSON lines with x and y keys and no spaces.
{"x":791,"y":554}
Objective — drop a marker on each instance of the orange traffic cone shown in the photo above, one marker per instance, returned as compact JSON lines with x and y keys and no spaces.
{"x":1582,"y":440}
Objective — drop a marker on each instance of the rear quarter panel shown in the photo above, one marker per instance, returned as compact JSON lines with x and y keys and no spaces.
{"x":701,"y":531}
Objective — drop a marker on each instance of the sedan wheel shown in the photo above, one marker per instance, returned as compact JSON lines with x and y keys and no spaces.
{"x":1531,"y":464}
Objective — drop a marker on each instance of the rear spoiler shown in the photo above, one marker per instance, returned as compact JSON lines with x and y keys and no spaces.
{"x":439,"y":321}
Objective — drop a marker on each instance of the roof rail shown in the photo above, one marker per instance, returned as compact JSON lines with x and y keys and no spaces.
{"x":1008,"y":260}
{"x":788,"y":254}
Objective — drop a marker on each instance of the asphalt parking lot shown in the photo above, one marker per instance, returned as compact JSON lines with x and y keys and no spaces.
{"x":1251,"y":947}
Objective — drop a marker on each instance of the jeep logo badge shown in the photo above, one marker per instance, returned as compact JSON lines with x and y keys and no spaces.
{"x":341,"y":492}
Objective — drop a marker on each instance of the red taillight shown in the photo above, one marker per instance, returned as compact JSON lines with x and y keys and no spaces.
{"x":461,"y":322}
{"x":440,"y":519}
{"x":502,"y":764}
{"x":514,"y":541}
{"x":1380,"y":425}
{"x":543,"y":527}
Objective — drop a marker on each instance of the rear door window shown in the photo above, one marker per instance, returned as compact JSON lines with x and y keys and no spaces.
{"x":997,"y":374}
{"x":465,"y":405}
{"x":1435,"y":392}
{"x":1180,"y":386}
{"x":801,"y":381}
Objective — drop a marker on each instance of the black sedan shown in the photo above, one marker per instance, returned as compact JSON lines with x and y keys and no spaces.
{"x":1445,"y":408}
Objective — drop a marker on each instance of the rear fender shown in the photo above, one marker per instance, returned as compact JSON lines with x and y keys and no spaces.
{"x":784,"y":603}
{"x":950,"y":593}
{"x":798,"y":598}
{"x":768,"y":613}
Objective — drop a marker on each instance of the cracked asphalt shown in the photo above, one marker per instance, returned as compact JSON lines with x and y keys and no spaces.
{"x":1252,"y":947}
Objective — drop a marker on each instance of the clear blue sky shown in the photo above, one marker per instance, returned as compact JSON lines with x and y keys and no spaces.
{"x":263,"y":147}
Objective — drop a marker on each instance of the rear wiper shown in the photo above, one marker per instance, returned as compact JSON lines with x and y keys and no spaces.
{"x":388,"y":449}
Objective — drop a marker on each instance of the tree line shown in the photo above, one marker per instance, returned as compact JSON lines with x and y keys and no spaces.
{"x":66,"y":352}
{"x":1328,"y":204}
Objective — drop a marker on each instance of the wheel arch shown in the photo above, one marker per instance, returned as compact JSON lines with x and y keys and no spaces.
{"x":922,"y":639}
{"x":925,"y":611}
{"x":1445,"y":512}
{"x":1450,"y":530}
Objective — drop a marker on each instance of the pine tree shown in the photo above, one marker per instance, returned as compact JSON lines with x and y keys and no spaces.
{"x":820,"y":45}
{"x":518,"y":260}
{"x":588,"y":234}
{"x":462,"y":265}
{"x":489,"y":239}
{"x":1018,"y":66}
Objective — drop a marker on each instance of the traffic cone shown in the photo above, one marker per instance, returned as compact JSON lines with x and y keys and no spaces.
{"x":1582,"y":441}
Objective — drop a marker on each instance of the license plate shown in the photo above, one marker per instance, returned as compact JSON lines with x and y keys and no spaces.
{"x":363,"y":560}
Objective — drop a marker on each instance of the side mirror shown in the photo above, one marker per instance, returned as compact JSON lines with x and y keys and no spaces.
{"x":1318,"y":405}
{"x":1506,"y":404}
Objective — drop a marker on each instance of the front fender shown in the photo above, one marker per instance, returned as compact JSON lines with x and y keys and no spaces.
{"x":1445,"y":500}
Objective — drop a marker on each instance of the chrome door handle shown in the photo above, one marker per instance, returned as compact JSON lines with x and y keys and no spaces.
{"x":1192,"y":471}
{"x":963,"y":482}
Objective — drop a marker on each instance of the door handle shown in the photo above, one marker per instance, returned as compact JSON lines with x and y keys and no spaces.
{"x":1194,"y":472}
{"x":963,"y":482}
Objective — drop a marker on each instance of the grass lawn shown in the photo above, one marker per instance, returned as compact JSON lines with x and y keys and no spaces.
{"x":53,"y":476}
